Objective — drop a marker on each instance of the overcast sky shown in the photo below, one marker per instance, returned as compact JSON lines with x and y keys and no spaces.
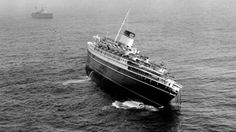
{"x":22,"y":7}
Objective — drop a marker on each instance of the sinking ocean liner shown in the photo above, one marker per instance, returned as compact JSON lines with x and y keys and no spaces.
{"x":118,"y":62}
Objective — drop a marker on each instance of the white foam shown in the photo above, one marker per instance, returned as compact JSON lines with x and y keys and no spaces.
{"x":76,"y":81}
{"x":133,"y":105}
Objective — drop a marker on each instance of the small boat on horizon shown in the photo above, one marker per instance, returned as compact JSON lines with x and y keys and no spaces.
{"x":42,"y":14}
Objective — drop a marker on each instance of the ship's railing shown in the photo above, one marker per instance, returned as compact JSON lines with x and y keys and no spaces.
{"x":106,"y":52}
{"x":147,"y":66}
{"x":144,"y":72}
{"x":118,"y":56}
{"x":111,"y":43}
{"x":140,"y":59}
{"x":148,"y":73}
{"x":158,"y":80}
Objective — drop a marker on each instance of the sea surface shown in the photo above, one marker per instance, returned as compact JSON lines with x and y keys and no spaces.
{"x":43,"y":85}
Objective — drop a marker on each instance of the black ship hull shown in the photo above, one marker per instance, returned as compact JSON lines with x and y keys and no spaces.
{"x":128,"y":81}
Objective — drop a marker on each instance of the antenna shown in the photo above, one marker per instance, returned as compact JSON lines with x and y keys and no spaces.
{"x":122,"y":25}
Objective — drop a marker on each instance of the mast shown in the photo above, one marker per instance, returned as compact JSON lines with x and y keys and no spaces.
{"x":122,"y":25}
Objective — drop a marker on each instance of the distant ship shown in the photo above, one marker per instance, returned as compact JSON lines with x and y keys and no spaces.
{"x":42,"y":14}
{"x":119,"y":63}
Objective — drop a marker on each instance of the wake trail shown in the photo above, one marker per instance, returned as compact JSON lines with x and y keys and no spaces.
{"x":83,"y":80}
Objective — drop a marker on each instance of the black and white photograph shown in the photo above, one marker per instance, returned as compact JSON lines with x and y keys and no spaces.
{"x":117,"y":65}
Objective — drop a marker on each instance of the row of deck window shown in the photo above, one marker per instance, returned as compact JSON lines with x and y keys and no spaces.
{"x":149,"y":81}
{"x":153,"y":66}
{"x":130,"y":63}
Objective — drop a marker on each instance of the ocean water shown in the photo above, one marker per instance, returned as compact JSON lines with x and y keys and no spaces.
{"x":43,"y":85}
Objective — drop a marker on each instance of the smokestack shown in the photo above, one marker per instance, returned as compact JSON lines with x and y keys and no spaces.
{"x":127,"y":38}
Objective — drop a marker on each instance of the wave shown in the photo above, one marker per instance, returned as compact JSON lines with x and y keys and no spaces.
{"x":84,"y":79}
